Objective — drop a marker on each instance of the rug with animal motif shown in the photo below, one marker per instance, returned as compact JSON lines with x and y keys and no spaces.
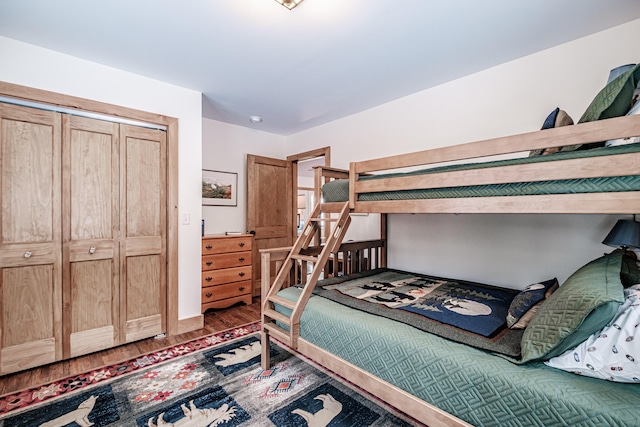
{"x":219,"y":386}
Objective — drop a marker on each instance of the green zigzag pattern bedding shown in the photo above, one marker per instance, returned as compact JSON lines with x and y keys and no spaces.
{"x":338,"y":190}
{"x":475,"y":386}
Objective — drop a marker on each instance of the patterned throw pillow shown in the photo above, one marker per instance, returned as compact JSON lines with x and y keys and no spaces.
{"x":612,"y":353}
{"x":527,"y":300}
{"x":556,"y":118}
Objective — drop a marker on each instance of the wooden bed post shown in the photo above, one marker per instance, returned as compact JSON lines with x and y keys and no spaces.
{"x":265,"y":339}
{"x":383,"y":237}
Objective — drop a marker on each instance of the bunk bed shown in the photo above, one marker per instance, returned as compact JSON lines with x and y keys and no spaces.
{"x":439,"y":381}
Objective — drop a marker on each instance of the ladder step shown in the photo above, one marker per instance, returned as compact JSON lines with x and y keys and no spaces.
{"x":272,"y":314}
{"x":282,"y":301}
{"x":323,"y":219}
{"x":277,"y":332}
{"x":304,"y":257}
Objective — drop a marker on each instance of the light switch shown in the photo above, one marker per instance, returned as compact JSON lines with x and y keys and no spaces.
{"x":186,"y":218}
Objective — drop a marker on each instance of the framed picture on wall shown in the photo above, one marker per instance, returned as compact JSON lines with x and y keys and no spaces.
{"x":219,"y":188}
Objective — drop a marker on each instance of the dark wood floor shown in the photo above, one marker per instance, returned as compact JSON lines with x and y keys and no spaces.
{"x":214,"y":321}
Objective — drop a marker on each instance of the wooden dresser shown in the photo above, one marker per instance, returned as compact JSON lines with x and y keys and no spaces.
{"x":226,"y":270}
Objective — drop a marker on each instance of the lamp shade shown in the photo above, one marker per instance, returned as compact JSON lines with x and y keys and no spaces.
{"x":302,"y":201}
{"x":625,"y":234}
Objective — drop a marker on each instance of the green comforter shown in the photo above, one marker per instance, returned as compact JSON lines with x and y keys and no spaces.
{"x":338,"y":190}
{"x":474,"y":385}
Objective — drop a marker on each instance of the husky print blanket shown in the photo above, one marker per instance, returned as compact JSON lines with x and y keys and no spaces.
{"x":471,"y":313}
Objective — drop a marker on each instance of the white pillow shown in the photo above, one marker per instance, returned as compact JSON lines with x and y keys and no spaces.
{"x":614,"y":352}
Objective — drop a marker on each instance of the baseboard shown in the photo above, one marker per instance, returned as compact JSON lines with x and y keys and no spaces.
{"x":190,"y":324}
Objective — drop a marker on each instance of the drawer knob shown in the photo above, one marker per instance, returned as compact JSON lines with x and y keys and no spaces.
{"x":241,"y":244}
{"x":208,"y":294}
{"x":241,"y":274}
{"x":92,"y":250}
{"x":208,"y":279}
{"x":241,"y":288}
{"x":27,"y":254}
{"x":208,"y":262}
{"x":241,"y":259}
{"x":208,"y":247}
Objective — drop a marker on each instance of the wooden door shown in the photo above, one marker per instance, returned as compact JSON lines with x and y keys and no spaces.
{"x":90,"y":235}
{"x":30,"y":233}
{"x":143,"y":231}
{"x":269,"y":207}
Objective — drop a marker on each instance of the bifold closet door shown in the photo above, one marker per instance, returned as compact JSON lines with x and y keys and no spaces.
{"x":143,"y":228}
{"x":90,"y":235}
{"x":30,"y":233}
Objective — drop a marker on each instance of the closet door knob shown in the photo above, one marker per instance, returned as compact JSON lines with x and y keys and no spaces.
{"x":27,"y":254}
{"x":92,"y":250}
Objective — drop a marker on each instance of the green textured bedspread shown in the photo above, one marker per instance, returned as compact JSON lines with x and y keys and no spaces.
{"x":338,"y":190}
{"x":474,"y":385}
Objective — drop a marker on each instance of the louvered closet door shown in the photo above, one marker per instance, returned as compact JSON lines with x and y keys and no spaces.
{"x":90,"y":230}
{"x":30,"y":233}
{"x":143,"y":232}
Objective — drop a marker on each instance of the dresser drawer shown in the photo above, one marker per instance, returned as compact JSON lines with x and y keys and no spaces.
{"x":229,"y":290}
{"x":227,"y":275}
{"x":233,"y":259}
{"x":223,"y":245}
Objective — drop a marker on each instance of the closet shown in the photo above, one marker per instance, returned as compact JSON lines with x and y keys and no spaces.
{"x":83,"y":229}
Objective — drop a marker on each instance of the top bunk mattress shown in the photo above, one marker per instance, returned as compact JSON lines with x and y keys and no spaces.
{"x":338,"y":190}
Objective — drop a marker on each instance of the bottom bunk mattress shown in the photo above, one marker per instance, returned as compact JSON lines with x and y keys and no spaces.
{"x":474,"y":385}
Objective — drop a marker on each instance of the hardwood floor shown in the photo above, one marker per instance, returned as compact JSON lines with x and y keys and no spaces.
{"x":214,"y":321}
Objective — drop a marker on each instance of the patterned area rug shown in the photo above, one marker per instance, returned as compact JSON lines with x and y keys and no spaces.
{"x":213,"y":381}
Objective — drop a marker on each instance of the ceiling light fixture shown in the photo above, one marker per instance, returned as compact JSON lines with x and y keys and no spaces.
{"x":255,"y":119}
{"x":289,"y":4}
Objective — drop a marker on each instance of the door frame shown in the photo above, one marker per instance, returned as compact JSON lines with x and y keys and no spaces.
{"x":294,"y":159}
{"x":38,"y":95}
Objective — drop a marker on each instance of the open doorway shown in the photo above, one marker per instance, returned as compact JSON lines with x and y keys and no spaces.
{"x":303,"y":185}
{"x":305,"y":196}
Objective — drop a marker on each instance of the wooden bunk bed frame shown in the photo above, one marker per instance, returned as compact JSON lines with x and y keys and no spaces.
{"x":587,"y":203}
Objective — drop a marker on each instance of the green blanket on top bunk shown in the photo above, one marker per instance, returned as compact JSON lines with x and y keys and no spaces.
{"x":338,"y":190}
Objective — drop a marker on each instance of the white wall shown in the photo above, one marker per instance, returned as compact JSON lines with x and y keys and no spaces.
{"x":225,"y":148}
{"x":508,"y":250}
{"x":40,"y":68}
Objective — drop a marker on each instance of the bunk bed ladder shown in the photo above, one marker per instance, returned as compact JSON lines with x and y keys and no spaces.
{"x":291,"y":331}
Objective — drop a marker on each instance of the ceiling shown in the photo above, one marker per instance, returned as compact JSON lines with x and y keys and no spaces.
{"x":324,"y":60}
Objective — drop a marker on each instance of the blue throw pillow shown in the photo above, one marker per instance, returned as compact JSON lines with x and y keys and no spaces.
{"x":527,"y":299}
